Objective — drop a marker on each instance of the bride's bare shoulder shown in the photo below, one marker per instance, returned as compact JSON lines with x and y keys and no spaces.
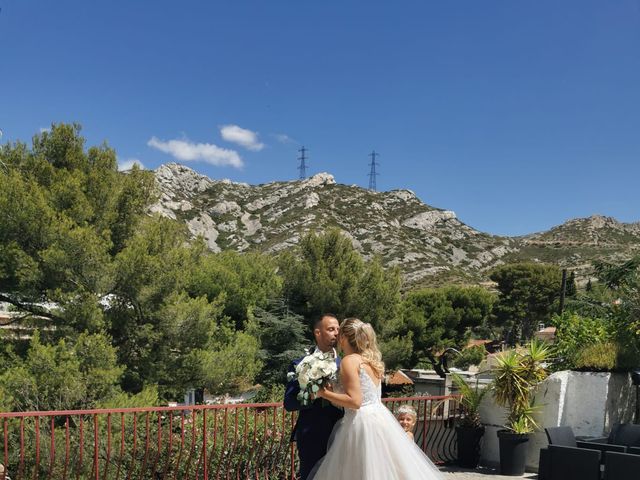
{"x":351,"y":361}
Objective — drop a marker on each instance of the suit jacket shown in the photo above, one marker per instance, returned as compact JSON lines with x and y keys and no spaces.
{"x":315,"y":422}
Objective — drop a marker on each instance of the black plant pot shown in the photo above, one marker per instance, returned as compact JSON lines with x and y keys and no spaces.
{"x":513,"y":452}
{"x":469,"y":446}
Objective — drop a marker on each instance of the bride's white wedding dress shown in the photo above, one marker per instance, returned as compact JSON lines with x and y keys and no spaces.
{"x":370,"y":444}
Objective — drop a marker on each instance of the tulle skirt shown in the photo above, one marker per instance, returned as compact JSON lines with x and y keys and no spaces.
{"x":370,"y":444}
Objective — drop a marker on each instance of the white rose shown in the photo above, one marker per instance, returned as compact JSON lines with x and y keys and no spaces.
{"x":303,"y":380}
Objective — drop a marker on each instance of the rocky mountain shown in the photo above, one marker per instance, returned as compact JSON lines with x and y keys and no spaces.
{"x":430,"y":245}
{"x":577,"y":243}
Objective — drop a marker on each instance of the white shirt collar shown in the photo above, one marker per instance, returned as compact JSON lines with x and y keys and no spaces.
{"x":316,"y":350}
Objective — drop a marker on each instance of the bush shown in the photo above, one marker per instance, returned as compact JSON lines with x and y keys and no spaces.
{"x":573,"y":333}
{"x":596,"y":344}
{"x":597,"y":357}
{"x":517,"y":374}
{"x":470,"y":356}
{"x":272,"y":393}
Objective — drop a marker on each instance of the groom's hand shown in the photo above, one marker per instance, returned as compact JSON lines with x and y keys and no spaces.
{"x":327,"y":387}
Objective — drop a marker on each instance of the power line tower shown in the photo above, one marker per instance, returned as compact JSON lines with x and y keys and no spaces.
{"x":372,"y":173}
{"x":303,"y":164}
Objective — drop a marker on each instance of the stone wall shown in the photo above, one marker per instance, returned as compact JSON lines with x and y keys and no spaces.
{"x":589,"y":402}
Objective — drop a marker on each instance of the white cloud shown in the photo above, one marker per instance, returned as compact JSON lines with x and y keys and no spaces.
{"x":241,"y":136}
{"x":197,"y":152}
{"x":128,"y":163}
{"x":283,"y":138}
{"x":45,"y":129}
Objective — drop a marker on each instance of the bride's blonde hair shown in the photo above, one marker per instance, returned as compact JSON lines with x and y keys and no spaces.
{"x":362,"y":339}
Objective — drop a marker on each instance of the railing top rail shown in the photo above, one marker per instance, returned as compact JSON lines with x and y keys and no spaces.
{"x":408,"y":399}
{"x":103,"y":411}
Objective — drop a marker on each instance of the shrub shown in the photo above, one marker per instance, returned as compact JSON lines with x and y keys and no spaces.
{"x":598,"y":357}
{"x":470,"y":356}
{"x":517,"y":374}
{"x":573,"y":332}
{"x":470,"y":401}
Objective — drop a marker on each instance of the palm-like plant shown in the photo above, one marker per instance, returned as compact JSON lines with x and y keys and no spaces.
{"x":470,"y":401}
{"x":516,"y":376}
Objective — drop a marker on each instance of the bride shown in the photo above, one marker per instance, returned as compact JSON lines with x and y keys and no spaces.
{"x":368,"y":443}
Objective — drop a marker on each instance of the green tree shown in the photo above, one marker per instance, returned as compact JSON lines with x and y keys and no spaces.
{"x":613,"y":304}
{"x":433,"y":319}
{"x":617,"y":275}
{"x":327,"y":274}
{"x":572,"y":289}
{"x":283,"y":336}
{"x":248,"y":280}
{"x":574,"y":332}
{"x":528,"y":294}
{"x":164,"y":335}
{"x":60,"y":208}
{"x":61,"y":376}
{"x":80,"y":255}
{"x":231,"y":364}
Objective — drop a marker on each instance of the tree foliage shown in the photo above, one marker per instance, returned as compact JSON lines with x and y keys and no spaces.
{"x":82,"y":260}
{"x":528,"y":295}
{"x":247,"y":280}
{"x":605,"y":334}
{"x":61,"y":376}
{"x":433,"y":319}
{"x":283,"y":336}
{"x":327,"y":274}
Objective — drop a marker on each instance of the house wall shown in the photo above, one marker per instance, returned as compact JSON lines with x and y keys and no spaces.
{"x":589,"y":402}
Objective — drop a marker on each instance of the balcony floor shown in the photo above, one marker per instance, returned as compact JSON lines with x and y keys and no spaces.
{"x":483,"y":473}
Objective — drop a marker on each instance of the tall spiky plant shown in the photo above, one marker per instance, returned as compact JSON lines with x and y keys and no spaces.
{"x":470,"y":401}
{"x":517,"y":374}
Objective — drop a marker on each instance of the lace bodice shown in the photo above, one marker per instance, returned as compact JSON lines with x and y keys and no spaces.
{"x":371,"y":392}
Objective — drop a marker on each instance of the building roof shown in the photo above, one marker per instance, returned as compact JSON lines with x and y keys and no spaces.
{"x":476,"y":342}
{"x":399,"y":378}
{"x":548,"y":330}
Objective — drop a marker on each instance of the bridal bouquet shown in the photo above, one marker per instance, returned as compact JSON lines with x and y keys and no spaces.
{"x":312,"y":372}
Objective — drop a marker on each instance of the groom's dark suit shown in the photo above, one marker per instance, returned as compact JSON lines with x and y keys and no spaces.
{"x":313,"y":428}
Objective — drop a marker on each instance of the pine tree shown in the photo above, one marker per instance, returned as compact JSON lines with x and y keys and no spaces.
{"x":571,"y":285}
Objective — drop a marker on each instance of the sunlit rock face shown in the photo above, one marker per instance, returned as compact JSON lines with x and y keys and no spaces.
{"x":430,"y":245}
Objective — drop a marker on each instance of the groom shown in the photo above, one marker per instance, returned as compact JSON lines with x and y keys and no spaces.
{"x":315,"y":422}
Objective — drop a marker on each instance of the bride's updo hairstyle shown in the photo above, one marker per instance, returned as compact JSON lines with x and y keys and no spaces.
{"x":363,"y":340}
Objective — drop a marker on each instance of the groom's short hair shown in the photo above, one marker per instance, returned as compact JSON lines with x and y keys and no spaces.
{"x":318,"y":321}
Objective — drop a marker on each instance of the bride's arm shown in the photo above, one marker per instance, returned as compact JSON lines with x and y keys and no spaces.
{"x":350,"y":378}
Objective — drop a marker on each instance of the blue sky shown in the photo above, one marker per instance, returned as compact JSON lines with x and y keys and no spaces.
{"x":517,"y":115}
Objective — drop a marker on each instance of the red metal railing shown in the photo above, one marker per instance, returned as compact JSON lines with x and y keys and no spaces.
{"x":247,"y":441}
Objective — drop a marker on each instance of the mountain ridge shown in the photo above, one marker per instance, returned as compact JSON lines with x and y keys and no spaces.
{"x":430,"y":244}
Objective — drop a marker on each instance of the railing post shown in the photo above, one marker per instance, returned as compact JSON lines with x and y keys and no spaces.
{"x":96,"y":467}
{"x":37,"y":467}
{"x":5,"y":465}
{"x":204,"y":444}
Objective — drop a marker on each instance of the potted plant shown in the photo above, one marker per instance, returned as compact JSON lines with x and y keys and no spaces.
{"x":470,"y":430}
{"x":516,"y":376}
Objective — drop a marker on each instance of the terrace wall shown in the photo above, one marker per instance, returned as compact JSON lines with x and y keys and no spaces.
{"x":589,"y":402}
